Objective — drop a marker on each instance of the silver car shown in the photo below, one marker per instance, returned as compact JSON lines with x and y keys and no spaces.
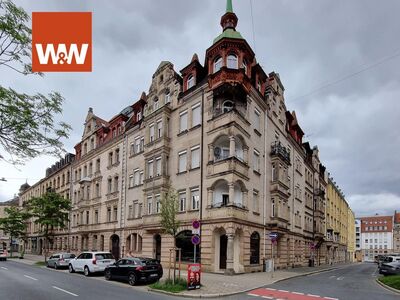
{"x":60,"y":260}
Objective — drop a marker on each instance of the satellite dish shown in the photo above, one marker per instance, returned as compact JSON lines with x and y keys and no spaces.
{"x":217,"y":152}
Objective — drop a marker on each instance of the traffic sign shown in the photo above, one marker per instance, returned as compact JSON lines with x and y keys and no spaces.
{"x":195,"y":239}
{"x":196,"y":231}
{"x":196,"y":224}
{"x":273,"y":235}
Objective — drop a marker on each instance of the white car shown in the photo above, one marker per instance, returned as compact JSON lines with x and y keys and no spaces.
{"x":91,"y":262}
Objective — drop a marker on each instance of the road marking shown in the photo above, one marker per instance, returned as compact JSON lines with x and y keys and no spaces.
{"x":30,"y":277}
{"x":4,"y":268}
{"x":332,"y":277}
{"x":329,"y":298}
{"x":340,"y":278}
{"x":255,"y":295}
{"x":283,"y":291}
{"x":62,"y":290}
{"x":297,"y":293}
{"x":267,"y":297}
{"x":270,"y":289}
{"x":311,"y":295}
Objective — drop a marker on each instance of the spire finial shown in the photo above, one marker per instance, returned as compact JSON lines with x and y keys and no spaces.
{"x":229,"y":6}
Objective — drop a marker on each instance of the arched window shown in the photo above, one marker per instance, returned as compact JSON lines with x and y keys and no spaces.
{"x":221,"y":148}
{"x":221,"y":194}
{"x":190,"y":82}
{"x":183,"y":241}
{"x":217,"y":64}
{"x":227,"y":106}
{"x":167,"y":96}
{"x":155,"y":103}
{"x":255,"y":248}
{"x":232,"y":61}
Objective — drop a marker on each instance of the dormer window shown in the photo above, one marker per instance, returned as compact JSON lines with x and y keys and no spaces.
{"x":244,"y":66}
{"x":156,"y":104}
{"x":89,"y":128}
{"x":232,"y":61}
{"x":138,"y":116}
{"x":217,"y":64}
{"x":191,"y":82}
{"x":227,"y":106}
{"x":259,"y":86}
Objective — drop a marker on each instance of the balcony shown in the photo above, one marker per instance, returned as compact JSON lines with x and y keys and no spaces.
{"x":220,"y":118}
{"x":281,"y":215}
{"x":230,"y":210}
{"x":227,"y":165}
{"x":156,"y":181}
{"x":278,"y":150}
{"x":112,"y":196}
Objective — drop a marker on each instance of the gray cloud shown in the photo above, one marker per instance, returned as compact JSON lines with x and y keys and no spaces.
{"x":310,"y":43}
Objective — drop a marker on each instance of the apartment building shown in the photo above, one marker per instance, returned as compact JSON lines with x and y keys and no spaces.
{"x":396,"y":232}
{"x":358,"y":252}
{"x":376,"y":236}
{"x":219,"y":134}
{"x":351,"y":236}
{"x":5,"y":241}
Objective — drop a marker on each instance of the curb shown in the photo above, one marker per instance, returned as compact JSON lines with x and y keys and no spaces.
{"x":387,"y":287}
{"x":237,"y":292}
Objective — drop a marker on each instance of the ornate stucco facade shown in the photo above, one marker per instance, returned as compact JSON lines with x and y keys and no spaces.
{"x":221,"y":136}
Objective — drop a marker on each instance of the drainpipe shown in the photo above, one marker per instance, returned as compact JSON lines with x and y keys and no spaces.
{"x":265,"y":184}
{"x":202,"y":164}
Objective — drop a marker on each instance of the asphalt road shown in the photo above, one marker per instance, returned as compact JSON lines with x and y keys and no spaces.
{"x":24,"y":282}
{"x":354,"y":282}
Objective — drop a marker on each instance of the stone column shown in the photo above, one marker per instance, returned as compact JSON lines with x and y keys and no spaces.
{"x":231,"y":192}
{"x":229,"y":255}
{"x":231,"y":146}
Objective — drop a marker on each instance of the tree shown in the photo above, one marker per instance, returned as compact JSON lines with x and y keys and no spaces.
{"x":169,"y":221}
{"x":27,"y":125}
{"x":49,"y":211}
{"x":14,"y":224}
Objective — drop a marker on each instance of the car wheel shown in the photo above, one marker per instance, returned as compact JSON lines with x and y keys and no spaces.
{"x":86,"y":271}
{"x":107,"y":275}
{"x":132,"y":279}
{"x":47,"y":265}
{"x":55,"y":266}
{"x":71,"y":269}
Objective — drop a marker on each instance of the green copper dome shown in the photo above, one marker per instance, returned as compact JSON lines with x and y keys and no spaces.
{"x":228,"y":33}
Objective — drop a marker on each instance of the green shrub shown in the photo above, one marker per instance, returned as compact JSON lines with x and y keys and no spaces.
{"x":392,"y":281}
{"x":167,"y":285}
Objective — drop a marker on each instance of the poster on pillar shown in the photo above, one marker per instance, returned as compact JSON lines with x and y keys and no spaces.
{"x":193,"y":280}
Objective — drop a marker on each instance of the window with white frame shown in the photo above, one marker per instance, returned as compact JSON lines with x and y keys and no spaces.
{"x":256,"y":160}
{"x":182,"y":201}
{"x":182,"y":161}
{"x":139,"y":116}
{"x":196,"y":115}
{"x":149,"y":205}
{"x":256,"y":121}
{"x":217,"y":64}
{"x":256,"y":200}
{"x":135,"y":209}
{"x":158,"y":166}
{"x":156,"y":103}
{"x":195,"y":198}
{"x":151,"y":132}
{"x":195,"y":156}
{"x":150,"y":168}
{"x":141,"y":177}
{"x":131,"y":180}
{"x":167,"y":96}
{"x":136,"y":179}
{"x":137,"y":145}
{"x":159,"y":129}
{"x":183,"y":121}
{"x":232,"y":61}
{"x":158,"y":203}
{"x":130,"y":212}
{"x":191,"y":81}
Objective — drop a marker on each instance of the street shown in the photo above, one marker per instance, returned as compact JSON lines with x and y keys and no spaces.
{"x":354,"y":282}
{"x":24,"y":282}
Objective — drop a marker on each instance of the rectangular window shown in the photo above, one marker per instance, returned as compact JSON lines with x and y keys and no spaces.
{"x":195,"y":198}
{"x":109,"y":185}
{"x":158,"y":166}
{"x":136,"y":175}
{"x":151,"y":132}
{"x":255,"y":201}
{"x":130,"y":180}
{"x":108,"y":214}
{"x":183,"y":120}
{"x":130,"y":212}
{"x":256,"y":121}
{"x":195,"y":155}
{"x":96,"y":216}
{"x":115,"y":213}
{"x":182,"y":201}
{"x":256,"y":161}
{"x":150,"y":169}
{"x":182,"y":162}
{"x":137,"y":145}
{"x":196,"y":115}
{"x":141,"y":177}
{"x":149,"y":205}
{"x":158,"y":203}
{"x":159,"y":129}
{"x":135,"y":209}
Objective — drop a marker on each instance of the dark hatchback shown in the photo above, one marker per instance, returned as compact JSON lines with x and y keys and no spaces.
{"x":134,"y":270}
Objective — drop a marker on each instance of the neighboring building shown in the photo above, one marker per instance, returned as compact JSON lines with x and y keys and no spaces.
{"x":58,"y":179}
{"x":376,"y":236}
{"x":396,"y":232}
{"x":340,"y":226}
{"x":220,"y":135}
{"x":358,"y":252}
{"x":4,"y":238}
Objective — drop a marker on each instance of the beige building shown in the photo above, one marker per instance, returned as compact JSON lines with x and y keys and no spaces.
{"x":221,"y":136}
{"x":4,"y":238}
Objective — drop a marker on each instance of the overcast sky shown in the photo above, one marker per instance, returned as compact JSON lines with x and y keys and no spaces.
{"x":338,"y":60}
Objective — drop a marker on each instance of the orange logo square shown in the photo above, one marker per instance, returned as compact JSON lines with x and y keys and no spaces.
{"x":62,"y":41}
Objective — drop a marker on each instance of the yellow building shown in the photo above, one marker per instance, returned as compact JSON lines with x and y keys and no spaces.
{"x":340,"y":227}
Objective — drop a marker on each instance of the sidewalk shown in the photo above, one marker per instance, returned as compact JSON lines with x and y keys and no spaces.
{"x":219,"y":285}
{"x":29,"y":259}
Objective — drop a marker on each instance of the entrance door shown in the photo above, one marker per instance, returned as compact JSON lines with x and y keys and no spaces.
{"x":223,"y":242}
{"x":157,"y":247}
{"x":115,"y":246}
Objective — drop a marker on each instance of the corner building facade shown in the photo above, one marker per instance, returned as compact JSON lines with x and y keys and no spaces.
{"x":221,"y":136}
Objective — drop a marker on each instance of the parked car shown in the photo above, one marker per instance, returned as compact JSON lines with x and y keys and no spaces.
{"x":391,"y":268}
{"x":91,"y":262}
{"x":60,"y":260}
{"x":3,"y":254}
{"x":134,"y":270}
{"x":386,"y":260}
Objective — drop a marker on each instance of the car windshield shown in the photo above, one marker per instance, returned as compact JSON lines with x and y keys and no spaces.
{"x":68,"y":255}
{"x":149,"y":262}
{"x":101,"y":256}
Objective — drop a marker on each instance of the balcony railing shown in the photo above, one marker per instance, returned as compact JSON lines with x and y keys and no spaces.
{"x":278,"y":149}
